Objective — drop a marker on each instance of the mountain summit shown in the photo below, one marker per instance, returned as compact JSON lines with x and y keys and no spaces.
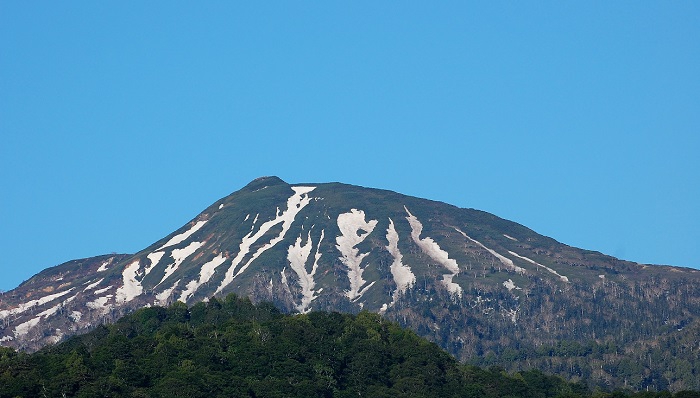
{"x":486,"y":289}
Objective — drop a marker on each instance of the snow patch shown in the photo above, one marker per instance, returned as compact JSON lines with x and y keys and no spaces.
{"x":284,"y":278}
{"x":181,"y":237}
{"x":155,"y":258}
{"x":510,"y":237}
{"x":353,"y":231}
{"x":205,"y":274}
{"x":504,"y":260}
{"x":131,"y":287}
{"x":103,"y":266}
{"x":163,"y":296}
{"x":75,"y":316}
{"x":179,"y":255}
{"x":512,"y":314}
{"x":298,"y":255}
{"x":100,"y":303}
{"x":93,"y":285}
{"x":295,"y":204}
{"x":100,"y":291}
{"x":24,"y":328}
{"x":58,"y":337}
{"x":403,"y":276}
{"x":563,"y":278}
{"x":6,"y":338}
{"x":50,"y":311}
{"x":510,"y":285}
{"x":433,"y":250}
{"x":30,"y":304}
{"x":221,"y":206}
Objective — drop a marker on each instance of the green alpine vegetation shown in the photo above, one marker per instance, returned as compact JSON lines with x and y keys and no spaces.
{"x":234,"y":348}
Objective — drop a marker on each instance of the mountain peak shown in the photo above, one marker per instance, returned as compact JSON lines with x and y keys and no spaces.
{"x":265,"y":181}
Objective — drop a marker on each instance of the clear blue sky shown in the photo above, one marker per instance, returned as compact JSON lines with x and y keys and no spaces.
{"x":120,"y":121}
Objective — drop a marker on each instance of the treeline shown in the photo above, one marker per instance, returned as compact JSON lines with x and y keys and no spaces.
{"x":233,"y":348}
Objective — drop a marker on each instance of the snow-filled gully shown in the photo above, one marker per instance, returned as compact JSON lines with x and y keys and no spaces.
{"x":295,"y":204}
{"x":298,"y":256}
{"x":131,"y":287}
{"x":403,"y":276}
{"x":183,"y":236}
{"x":353,"y":231}
{"x":433,"y":250}
{"x":562,"y":277}
{"x":205,"y":274}
{"x":32,"y":303}
{"x":504,"y":260}
{"x":180,"y":255}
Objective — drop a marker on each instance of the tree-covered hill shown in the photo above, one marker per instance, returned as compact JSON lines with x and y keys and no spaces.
{"x":233,"y":348}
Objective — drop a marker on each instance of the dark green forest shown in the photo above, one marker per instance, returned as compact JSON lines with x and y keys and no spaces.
{"x":233,"y":348}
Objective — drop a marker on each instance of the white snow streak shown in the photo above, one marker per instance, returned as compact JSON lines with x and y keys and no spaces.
{"x":298,"y":255}
{"x":100,"y":291}
{"x":100,"y":303}
{"x":512,"y":314}
{"x":155,"y":258}
{"x":30,"y":304}
{"x":284,"y":278}
{"x":510,"y":237}
{"x":179,"y":255}
{"x":50,"y":311}
{"x":93,"y":285}
{"x":23,"y":328}
{"x":504,"y":260}
{"x":433,"y":250}
{"x":163,"y":296}
{"x":510,"y":285}
{"x":563,"y":278}
{"x":403,"y":276}
{"x":205,"y":273}
{"x":76,"y":315}
{"x":103,"y":266}
{"x":354,"y":229}
{"x":181,"y":237}
{"x":131,"y":287}
{"x":295,"y":203}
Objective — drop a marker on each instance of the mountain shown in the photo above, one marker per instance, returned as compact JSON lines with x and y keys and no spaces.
{"x":488,"y":290}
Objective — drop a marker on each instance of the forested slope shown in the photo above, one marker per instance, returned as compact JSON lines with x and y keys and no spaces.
{"x":233,"y":348}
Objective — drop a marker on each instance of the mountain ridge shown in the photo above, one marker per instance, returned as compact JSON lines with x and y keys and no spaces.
{"x":480,"y":286}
